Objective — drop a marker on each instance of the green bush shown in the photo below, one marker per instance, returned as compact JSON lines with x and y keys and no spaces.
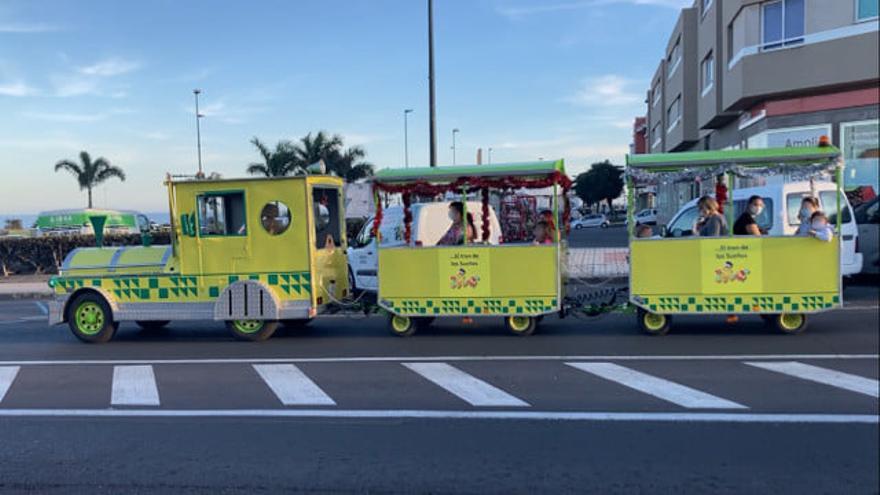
{"x":36,"y":255}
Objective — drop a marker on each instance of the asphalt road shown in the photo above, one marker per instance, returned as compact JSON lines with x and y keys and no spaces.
{"x":342,"y":407}
{"x":597,"y":237}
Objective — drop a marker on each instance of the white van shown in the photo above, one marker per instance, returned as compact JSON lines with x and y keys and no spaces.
{"x":782,"y":202}
{"x":429,"y":222}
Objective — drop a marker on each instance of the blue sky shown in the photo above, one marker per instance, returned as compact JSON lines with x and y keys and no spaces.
{"x":529,"y":78}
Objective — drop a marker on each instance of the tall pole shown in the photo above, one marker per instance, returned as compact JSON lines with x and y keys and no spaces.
{"x":454,"y":132}
{"x":406,"y":136}
{"x":198,"y":130}
{"x":433,"y":116}
{"x":490,"y":156}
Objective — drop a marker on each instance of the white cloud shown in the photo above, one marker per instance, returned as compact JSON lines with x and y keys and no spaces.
{"x":25,"y":28}
{"x":110,"y":67}
{"x":72,"y":85}
{"x":543,"y":8}
{"x":17,"y":88}
{"x":65,"y":117}
{"x":609,"y":90}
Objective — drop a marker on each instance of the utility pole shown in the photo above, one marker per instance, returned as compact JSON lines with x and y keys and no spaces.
{"x":490,"y":156}
{"x":454,"y":132}
{"x":199,"y":116}
{"x":433,"y":116}
{"x":406,"y":136}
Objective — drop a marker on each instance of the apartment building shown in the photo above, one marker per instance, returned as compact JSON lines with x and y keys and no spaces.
{"x":751,"y":74}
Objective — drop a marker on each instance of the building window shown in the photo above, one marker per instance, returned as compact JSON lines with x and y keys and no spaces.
{"x":707,"y":71}
{"x":706,"y":5}
{"x":674,"y":58}
{"x":673,"y":113}
{"x":655,"y":135}
{"x":782,"y":23}
{"x":655,"y":95}
{"x":866,"y":9}
{"x":860,"y":143}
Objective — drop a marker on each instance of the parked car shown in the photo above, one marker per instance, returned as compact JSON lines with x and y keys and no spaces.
{"x":783,"y":220}
{"x":648,"y":216}
{"x":429,"y":223}
{"x":593,"y":220}
{"x":868,"y":219}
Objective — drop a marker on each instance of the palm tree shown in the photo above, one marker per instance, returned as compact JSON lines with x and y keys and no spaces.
{"x":90,"y":174}
{"x":283,"y":161}
{"x":345,"y":163}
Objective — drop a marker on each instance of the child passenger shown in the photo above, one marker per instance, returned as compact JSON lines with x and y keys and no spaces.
{"x":644,"y":231}
{"x":809,"y":205}
{"x":819,"y":227}
{"x":542,"y":233}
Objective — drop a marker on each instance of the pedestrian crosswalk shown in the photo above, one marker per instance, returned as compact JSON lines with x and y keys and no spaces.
{"x":292,"y":386}
{"x":658,"y":387}
{"x":562,"y":385}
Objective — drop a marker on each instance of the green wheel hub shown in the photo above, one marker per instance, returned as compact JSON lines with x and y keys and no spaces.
{"x":89,"y":318}
{"x":248,"y":326}
{"x":519,"y":323}
{"x":654,"y":321}
{"x":790,"y":321}
{"x":400,"y":324}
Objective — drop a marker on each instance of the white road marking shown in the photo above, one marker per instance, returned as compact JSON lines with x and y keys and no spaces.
{"x":134,"y":386}
{"x":658,"y":387}
{"x":469,"y":388}
{"x":379,"y":359}
{"x":683,"y":417}
{"x":839,"y":379}
{"x":292,"y":386}
{"x":7,"y":376}
{"x":42,"y":307}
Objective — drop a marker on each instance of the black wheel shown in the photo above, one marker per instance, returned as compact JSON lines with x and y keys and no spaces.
{"x":252,"y":330}
{"x":90,"y":318}
{"x":402,"y":326}
{"x":152,"y":325}
{"x":790,"y":323}
{"x":768,"y":319}
{"x":604,"y":225}
{"x":578,"y":226}
{"x":521,"y":325}
{"x":653,"y":323}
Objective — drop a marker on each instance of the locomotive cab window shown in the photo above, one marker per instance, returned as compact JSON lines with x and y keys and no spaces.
{"x":222,"y":214}
{"x":328,"y":225}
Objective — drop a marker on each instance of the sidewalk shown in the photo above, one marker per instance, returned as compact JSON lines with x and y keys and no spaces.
{"x":25,"y":287}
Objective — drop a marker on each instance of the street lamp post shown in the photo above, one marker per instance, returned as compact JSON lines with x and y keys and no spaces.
{"x":490,"y":156}
{"x":454,"y":132}
{"x":406,"y":136}
{"x":199,"y":116}
{"x":432,"y":117}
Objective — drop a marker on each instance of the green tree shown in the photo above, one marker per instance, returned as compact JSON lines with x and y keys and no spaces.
{"x":278,"y":163}
{"x":90,"y":174}
{"x":347,"y":163}
{"x":603,"y":182}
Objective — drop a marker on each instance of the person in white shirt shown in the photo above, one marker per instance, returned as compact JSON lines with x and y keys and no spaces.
{"x":809,"y":205}
{"x":819,"y":227}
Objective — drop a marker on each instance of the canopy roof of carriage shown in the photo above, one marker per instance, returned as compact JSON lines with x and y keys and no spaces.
{"x":765,"y":157}
{"x":445,"y":174}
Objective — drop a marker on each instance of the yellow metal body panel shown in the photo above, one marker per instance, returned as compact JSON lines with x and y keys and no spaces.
{"x":469,"y":280}
{"x":736,"y":274}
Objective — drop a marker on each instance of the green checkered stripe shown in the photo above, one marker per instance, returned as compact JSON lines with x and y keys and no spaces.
{"x":763,"y":303}
{"x":186,"y":288}
{"x":475,"y":306}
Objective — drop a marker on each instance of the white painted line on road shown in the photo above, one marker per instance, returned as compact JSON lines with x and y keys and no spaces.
{"x":658,"y":387}
{"x":7,"y":376}
{"x":683,"y":417}
{"x":42,"y":307}
{"x":134,"y":386}
{"x":292,"y":386}
{"x":469,"y":388}
{"x":839,"y":379}
{"x":379,"y":359}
